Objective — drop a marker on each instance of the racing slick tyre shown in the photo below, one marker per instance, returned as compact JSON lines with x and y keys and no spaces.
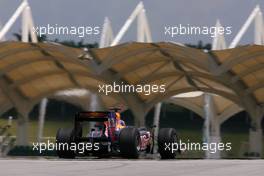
{"x":129,"y":142}
{"x":65,"y":137}
{"x":167,"y":136}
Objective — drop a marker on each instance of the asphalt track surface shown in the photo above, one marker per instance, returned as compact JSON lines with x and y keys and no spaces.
{"x":40,"y":167}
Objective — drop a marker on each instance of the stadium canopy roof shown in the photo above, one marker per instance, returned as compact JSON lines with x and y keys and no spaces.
{"x":237,"y":74}
{"x":30,"y":72}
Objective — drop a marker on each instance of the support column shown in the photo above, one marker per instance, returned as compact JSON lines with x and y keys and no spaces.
{"x":156,"y":122}
{"x":211,"y":127}
{"x":218,"y":42}
{"x":215,"y":136}
{"x":22,"y":129}
{"x":107,"y":34}
{"x":95,"y":105}
{"x":258,"y":28}
{"x":24,"y":25}
{"x":3,"y":38}
{"x":256,"y":138}
{"x":140,"y":27}
{"x":42,"y":113}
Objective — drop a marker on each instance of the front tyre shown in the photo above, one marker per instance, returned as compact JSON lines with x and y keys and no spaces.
{"x":129,"y":142}
{"x":167,"y":136}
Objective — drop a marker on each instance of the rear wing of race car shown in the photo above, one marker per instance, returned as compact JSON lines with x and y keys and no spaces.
{"x":93,"y":116}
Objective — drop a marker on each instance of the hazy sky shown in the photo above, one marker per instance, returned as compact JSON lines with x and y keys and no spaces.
{"x":159,"y":12}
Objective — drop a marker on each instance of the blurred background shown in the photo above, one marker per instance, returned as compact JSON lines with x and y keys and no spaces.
{"x":189,"y":124}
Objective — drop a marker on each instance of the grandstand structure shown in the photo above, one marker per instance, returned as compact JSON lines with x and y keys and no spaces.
{"x":230,"y":79}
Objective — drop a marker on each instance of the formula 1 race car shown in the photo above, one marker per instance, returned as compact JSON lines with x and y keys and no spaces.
{"x":111,"y":137}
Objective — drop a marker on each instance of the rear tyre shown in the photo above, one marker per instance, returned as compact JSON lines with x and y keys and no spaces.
{"x":65,"y":137}
{"x":129,"y":142}
{"x":167,"y":136}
